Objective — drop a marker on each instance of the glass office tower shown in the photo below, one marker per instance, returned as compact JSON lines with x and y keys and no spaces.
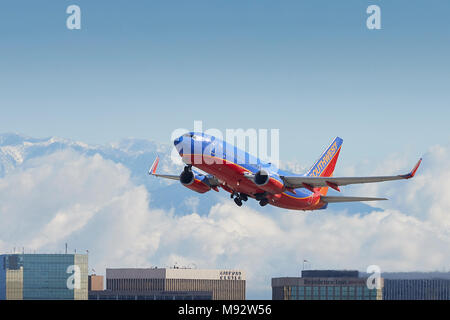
{"x":43,"y":277}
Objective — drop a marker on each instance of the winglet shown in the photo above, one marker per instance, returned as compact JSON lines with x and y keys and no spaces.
{"x":413,"y":171}
{"x":152,"y":169}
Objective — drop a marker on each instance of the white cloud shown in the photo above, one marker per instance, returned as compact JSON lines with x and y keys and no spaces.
{"x":91,"y":203}
{"x":192,"y":203}
{"x":426,"y":196}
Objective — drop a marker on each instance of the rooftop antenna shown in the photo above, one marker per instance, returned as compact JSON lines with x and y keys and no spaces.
{"x":66,"y":247}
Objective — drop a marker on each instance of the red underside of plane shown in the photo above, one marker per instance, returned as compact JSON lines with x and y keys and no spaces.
{"x":232,"y":176}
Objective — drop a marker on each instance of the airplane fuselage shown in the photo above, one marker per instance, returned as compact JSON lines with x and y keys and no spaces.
{"x":229,"y":164}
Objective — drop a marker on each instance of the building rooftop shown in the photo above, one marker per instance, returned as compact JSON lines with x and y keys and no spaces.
{"x":330,"y":274}
{"x":174,"y":273}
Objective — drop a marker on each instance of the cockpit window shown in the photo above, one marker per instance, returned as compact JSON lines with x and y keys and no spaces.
{"x":200,"y":138}
{"x":196,"y":137}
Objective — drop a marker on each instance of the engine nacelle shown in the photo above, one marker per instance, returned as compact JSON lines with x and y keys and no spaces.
{"x":269,"y":182}
{"x":194,"y":182}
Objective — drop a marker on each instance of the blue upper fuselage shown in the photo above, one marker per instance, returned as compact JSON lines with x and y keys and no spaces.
{"x":198,"y":143}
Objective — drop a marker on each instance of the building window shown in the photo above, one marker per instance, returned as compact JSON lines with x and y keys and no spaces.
{"x":337,"y":292}
{"x":301,"y":293}
{"x":359,"y":295}
{"x":344,"y":293}
{"x":323,"y":293}
{"x":293,"y":293}
{"x":315,"y":293}
{"x":366,"y":293}
{"x":330,"y":291}
{"x":308,"y":293}
{"x":373,"y":294}
{"x":351,"y":292}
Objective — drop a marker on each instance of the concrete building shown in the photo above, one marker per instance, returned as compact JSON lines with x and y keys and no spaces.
{"x":325,"y":285}
{"x":219,"y":284}
{"x":95,"y":283}
{"x":43,"y":277}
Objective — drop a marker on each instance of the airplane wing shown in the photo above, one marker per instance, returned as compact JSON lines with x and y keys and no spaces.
{"x":331,"y":199}
{"x":310,"y":182}
{"x":152,"y":171}
{"x":211,"y":180}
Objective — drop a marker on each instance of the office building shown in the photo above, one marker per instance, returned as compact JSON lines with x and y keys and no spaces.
{"x":95,"y":283}
{"x":217,"y":284}
{"x":43,"y":277}
{"x":325,"y":285}
{"x":416,"y":286}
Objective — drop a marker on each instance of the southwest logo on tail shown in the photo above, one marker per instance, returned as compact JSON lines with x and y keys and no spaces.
{"x":327,"y":161}
{"x":261,"y":181}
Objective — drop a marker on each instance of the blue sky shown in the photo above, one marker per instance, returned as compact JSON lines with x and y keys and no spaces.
{"x":310,"y":68}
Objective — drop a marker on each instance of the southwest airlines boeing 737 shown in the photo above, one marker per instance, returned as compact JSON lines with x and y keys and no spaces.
{"x":245,"y":176}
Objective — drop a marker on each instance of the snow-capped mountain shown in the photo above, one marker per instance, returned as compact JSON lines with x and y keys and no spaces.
{"x":135,"y":154}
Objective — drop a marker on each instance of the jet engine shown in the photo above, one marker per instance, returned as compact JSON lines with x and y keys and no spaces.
{"x":193,"y":181}
{"x":269,"y":182}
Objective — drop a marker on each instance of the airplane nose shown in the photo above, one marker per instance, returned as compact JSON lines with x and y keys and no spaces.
{"x":177,"y":140}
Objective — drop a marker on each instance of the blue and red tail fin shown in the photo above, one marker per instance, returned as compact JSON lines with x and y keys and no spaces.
{"x":324,"y":166}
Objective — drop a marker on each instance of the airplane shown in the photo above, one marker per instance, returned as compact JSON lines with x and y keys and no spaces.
{"x":245,"y":176}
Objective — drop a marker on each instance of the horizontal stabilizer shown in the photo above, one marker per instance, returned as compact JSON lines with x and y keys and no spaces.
{"x":330,"y":199}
